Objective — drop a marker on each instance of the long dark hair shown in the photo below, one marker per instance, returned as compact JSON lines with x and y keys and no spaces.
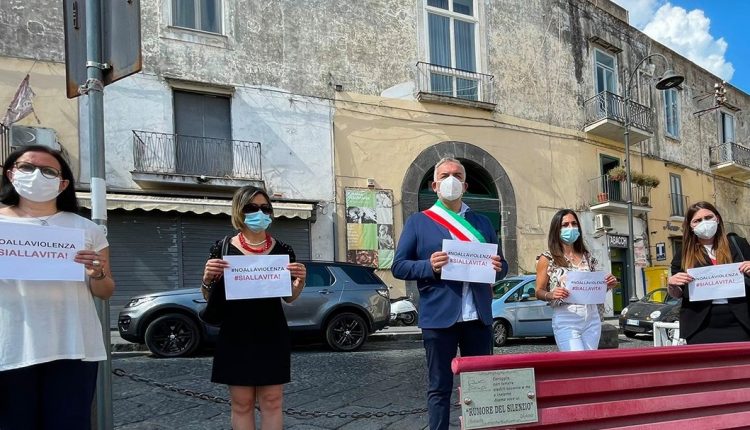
{"x":555,"y":244}
{"x":66,"y":200}
{"x":692,"y":250}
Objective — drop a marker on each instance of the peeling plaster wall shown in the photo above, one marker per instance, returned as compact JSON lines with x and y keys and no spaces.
{"x":300,"y":46}
{"x":32,"y":29}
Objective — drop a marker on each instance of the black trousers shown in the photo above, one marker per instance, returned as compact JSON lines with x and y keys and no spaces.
{"x":472,"y":338}
{"x":53,"y":395}
{"x":720,"y":326}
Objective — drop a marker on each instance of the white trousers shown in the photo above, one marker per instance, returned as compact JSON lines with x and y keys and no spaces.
{"x":576,"y":327}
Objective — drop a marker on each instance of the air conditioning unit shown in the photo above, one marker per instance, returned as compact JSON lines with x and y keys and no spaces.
{"x":22,"y":135}
{"x":602,"y":222}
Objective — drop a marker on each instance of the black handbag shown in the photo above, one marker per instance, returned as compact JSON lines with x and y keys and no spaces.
{"x":213,"y":313}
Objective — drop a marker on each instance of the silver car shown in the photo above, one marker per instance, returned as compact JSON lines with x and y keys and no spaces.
{"x":517,"y":312}
{"x":341,"y":303}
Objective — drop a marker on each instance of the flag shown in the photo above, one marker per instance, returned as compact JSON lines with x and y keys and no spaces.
{"x":21,"y":105}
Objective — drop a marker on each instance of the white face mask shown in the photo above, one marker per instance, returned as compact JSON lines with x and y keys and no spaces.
{"x":35,"y":187}
{"x":451,"y":188}
{"x":706,"y":229}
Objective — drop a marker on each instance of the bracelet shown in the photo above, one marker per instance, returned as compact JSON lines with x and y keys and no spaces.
{"x":101,"y":276}
{"x":207,"y":287}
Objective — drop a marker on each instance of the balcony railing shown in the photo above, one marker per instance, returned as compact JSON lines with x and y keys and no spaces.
{"x":729,"y":152}
{"x":164,"y":153}
{"x":678,"y":204}
{"x":454,"y":83}
{"x":605,"y":190}
{"x":607,"y":105}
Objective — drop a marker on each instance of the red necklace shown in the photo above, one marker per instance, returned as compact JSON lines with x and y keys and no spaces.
{"x":248,"y":248}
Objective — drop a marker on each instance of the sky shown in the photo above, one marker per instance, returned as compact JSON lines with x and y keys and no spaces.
{"x":714,"y":34}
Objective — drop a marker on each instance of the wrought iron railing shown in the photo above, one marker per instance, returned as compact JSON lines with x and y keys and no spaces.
{"x":606,"y":190}
{"x":678,"y":204}
{"x":456,"y":83}
{"x":162,"y":153}
{"x":607,"y":105}
{"x":729,"y":152}
{"x":4,"y":142}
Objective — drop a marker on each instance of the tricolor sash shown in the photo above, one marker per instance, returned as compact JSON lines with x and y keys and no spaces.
{"x":455,"y":223}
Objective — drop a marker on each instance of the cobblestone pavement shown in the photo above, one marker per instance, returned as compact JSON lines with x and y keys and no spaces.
{"x":382,"y":377}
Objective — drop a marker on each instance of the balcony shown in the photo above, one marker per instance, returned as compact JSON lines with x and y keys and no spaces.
{"x":730,"y":160}
{"x":454,"y":86}
{"x":609,"y":196}
{"x":678,"y":205}
{"x":605,"y":117}
{"x":171,"y":159}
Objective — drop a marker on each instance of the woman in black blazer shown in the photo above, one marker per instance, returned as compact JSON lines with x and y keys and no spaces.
{"x":705,"y":242}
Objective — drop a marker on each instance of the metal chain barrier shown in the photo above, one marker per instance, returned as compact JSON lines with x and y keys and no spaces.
{"x":302,"y":413}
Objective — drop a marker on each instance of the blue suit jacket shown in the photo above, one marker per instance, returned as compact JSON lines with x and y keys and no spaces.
{"x":440,"y":301}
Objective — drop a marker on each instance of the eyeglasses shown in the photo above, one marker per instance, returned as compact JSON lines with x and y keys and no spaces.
{"x":47,"y":171}
{"x":254,"y":207}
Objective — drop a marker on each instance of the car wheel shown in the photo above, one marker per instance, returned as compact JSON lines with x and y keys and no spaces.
{"x":630,"y":334}
{"x":172,"y":335}
{"x":346,"y":332}
{"x":409,"y":318}
{"x":499,"y":333}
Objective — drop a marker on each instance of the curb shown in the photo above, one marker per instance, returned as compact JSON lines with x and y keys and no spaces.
{"x":381,"y":337}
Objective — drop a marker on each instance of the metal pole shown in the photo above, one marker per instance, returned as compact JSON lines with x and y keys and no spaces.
{"x":629,"y":185}
{"x":95,"y":98}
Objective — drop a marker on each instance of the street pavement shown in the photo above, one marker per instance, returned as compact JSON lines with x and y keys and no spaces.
{"x":384,"y":376}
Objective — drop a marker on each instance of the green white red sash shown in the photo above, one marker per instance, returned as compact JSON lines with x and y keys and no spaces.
{"x":455,"y":223}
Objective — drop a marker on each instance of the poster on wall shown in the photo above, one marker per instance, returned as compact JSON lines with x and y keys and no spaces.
{"x":369,"y":227}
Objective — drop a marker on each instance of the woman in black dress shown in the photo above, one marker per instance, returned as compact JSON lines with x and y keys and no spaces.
{"x":253,"y":350}
{"x":706,"y":243}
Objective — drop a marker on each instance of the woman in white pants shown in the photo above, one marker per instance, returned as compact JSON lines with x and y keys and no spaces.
{"x":576,"y":327}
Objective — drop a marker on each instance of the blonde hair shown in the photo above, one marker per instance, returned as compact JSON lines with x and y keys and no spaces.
{"x":242,"y":197}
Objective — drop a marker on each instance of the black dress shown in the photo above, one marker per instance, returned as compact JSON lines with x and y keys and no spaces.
{"x":253,"y":347}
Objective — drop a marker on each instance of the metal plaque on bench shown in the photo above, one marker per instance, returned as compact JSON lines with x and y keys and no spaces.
{"x":497,"y":398}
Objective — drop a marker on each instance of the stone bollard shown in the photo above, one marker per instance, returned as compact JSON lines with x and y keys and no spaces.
{"x":609,"y":337}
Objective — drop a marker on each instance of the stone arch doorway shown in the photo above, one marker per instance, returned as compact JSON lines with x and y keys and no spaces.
{"x":490,"y":190}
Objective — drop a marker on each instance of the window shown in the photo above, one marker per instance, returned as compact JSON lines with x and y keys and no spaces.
{"x":604,"y":65}
{"x":672,"y":113}
{"x":678,"y":201}
{"x":727,"y":127}
{"x":203,"y":134}
{"x":451,"y":34}
{"x":318,"y":276}
{"x":204,"y":15}
{"x":362,"y":275}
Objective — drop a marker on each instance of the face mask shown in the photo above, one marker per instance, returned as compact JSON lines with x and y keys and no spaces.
{"x":257,"y":221}
{"x":706,"y":229}
{"x":35,"y":187}
{"x":451,"y":188}
{"x":569,"y":235}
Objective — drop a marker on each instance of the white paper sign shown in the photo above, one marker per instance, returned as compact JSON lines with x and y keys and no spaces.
{"x":40,"y":253}
{"x":257,"y":276}
{"x":716,"y":282}
{"x":469,"y":261}
{"x":586,"y":288}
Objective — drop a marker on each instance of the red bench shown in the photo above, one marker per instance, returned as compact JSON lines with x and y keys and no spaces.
{"x":687,"y":387}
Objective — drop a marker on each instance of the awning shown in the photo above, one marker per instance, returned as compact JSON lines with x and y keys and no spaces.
{"x":192,"y":204}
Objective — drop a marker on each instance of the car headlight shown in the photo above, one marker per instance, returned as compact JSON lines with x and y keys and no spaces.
{"x":139,"y":301}
{"x":624,"y":311}
{"x":655,"y":314}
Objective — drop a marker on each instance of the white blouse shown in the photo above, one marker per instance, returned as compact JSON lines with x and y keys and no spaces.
{"x":42,"y":321}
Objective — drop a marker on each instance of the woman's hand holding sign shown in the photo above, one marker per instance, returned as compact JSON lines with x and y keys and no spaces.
{"x":95,"y":262}
{"x":611,"y":281}
{"x":214,"y":270}
{"x":299,"y":273}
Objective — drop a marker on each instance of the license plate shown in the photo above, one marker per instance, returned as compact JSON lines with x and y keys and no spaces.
{"x":632,"y":322}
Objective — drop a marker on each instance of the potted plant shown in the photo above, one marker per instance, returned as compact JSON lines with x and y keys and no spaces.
{"x":650,"y":181}
{"x":617,"y":174}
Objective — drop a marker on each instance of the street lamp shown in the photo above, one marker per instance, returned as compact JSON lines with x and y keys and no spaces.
{"x":668,"y":80}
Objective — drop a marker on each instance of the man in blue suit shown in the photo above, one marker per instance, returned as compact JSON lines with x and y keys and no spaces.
{"x":452,"y":314}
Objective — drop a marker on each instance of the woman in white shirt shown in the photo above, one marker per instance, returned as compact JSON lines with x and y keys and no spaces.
{"x":50,"y":336}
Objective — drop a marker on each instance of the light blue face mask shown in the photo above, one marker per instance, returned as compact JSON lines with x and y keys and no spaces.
{"x":257,"y":221}
{"x":569,"y":235}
